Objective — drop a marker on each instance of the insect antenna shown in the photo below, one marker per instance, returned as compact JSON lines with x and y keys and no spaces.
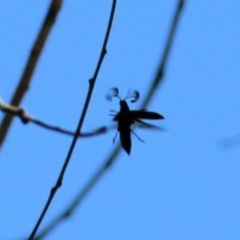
{"x":112,"y":92}
{"x":133,"y":94}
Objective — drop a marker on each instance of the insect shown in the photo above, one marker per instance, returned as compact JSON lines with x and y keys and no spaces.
{"x":126,"y":118}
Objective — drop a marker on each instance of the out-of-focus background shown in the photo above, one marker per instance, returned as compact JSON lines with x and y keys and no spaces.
{"x":183,"y":183}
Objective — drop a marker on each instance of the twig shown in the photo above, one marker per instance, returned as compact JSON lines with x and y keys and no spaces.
{"x":80,"y":196}
{"x":160,"y":72}
{"x":31,"y":64}
{"x":91,"y":86}
{"x":26,"y":118}
{"x":112,"y":157}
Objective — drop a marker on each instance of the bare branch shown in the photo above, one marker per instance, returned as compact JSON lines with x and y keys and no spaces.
{"x":91,"y":87}
{"x":30,"y":65}
{"x":26,"y":118}
{"x":112,"y":157}
{"x":162,"y":65}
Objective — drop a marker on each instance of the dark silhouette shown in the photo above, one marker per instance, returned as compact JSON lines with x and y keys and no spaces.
{"x":126,"y":118}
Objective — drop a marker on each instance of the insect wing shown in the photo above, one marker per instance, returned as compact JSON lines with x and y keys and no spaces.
{"x":125,"y":137}
{"x":143,"y":124}
{"x":145,"y":115}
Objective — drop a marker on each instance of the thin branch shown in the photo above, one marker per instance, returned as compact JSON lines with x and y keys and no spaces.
{"x":26,"y":118}
{"x":112,"y":157}
{"x":31,"y":64}
{"x":80,"y":196}
{"x":91,"y":86}
{"x":161,"y":69}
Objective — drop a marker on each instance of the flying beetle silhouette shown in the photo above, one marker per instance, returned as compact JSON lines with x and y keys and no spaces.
{"x":126,"y":118}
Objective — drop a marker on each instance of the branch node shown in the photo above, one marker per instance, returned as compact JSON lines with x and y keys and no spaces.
{"x":23,"y":116}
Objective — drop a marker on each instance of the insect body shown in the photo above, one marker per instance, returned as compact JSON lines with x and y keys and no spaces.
{"x":126,"y":118}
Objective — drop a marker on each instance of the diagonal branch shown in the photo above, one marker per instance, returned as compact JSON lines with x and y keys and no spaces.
{"x":64,"y":167}
{"x":31,"y":64}
{"x":162,"y":65}
{"x":112,"y":157}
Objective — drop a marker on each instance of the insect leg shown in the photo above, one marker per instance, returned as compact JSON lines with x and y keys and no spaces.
{"x":115,"y":137}
{"x":137,"y":136}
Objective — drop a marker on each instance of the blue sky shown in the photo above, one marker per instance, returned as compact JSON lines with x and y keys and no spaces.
{"x":180,"y":184}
